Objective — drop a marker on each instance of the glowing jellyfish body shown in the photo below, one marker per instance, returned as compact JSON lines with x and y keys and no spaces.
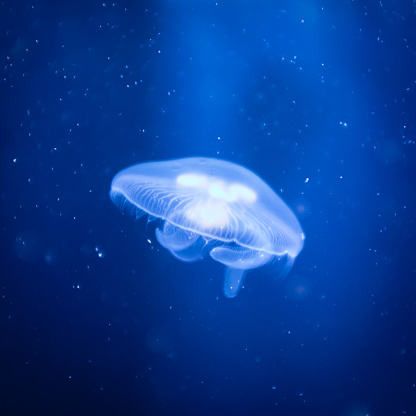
{"x":216,"y":207}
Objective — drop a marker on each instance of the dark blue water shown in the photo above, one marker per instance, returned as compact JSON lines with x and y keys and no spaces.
{"x":317,"y":97}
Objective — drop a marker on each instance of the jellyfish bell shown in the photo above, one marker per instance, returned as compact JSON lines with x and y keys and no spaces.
{"x":216,"y":207}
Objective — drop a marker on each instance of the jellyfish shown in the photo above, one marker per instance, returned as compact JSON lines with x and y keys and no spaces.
{"x":213,"y":206}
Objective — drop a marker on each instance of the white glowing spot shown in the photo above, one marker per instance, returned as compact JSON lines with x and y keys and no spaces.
{"x":232,"y":193}
{"x":218,"y":189}
{"x":211,"y":210}
{"x":208,"y":214}
{"x":247,"y":193}
{"x":191,"y":180}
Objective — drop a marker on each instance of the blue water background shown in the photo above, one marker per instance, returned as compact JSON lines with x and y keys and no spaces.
{"x":317,"y":97}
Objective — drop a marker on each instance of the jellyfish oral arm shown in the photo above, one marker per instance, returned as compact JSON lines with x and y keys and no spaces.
{"x":240,"y":258}
{"x":233,"y":282}
{"x":184,"y":245}
{"x":237,"y":260}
